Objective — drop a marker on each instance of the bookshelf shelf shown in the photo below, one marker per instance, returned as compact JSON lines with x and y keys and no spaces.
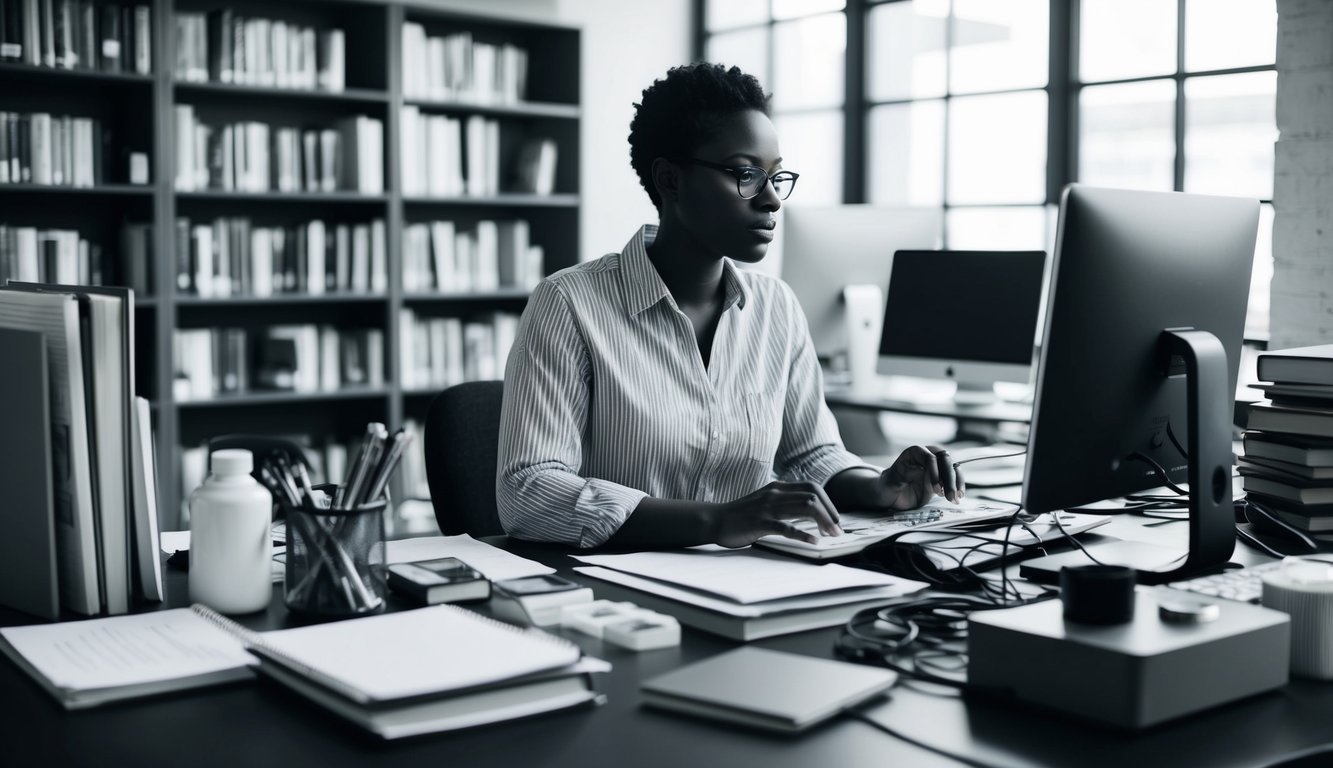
{"x":107,"y":190}
{"x":285,"y":197}
{"x":280,"y":299}
{"x":230,"y":90}
{"x":281,"y":398}
{"x":520,"y":109}
{"x":503,"y":294}
{"x":155,"y":233}
{"x":72,"y":76}
{"x":508,"y":200}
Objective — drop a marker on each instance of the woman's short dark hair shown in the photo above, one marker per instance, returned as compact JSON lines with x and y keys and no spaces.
{"x":681,"y":112}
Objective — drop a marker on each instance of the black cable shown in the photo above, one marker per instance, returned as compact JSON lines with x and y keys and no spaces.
{"x":964,"y":759}
{"x":1159,"y":470}
{"x":1171,"y":435}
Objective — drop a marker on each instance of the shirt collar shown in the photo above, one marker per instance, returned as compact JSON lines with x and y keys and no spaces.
{"x":644,"y":287}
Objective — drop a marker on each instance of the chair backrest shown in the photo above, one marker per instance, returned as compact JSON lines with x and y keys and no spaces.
{"x":462,"y":435}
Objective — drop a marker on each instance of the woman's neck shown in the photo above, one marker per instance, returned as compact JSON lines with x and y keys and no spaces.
{"x":693,"y":277}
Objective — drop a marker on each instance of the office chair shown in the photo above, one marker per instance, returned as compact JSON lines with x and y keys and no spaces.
{"x":462,"y":435}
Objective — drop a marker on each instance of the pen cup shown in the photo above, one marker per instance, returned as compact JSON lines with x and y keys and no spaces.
{"x":335,"y":559}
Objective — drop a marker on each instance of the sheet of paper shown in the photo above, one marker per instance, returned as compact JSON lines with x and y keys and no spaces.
{"x":866,"y":527}
{"x":742,"y":575}
{"x":888,"y":592}
{"x":126,"y":650}
{"x":494,"y":563}
{"x":175,"y":541}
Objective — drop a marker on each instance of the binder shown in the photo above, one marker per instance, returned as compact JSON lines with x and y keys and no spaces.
{"x":28,"y":580}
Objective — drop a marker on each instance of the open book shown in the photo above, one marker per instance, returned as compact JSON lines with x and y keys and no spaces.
{"x":396,"y":674}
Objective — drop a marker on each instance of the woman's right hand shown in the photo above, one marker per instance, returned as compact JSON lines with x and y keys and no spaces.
{"x":772,"y":510}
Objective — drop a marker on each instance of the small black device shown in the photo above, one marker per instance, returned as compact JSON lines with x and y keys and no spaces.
{"x":536,"y":600}
{"x":443,"y":580}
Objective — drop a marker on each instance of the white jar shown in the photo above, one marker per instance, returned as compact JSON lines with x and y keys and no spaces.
{"x":230,"y":543}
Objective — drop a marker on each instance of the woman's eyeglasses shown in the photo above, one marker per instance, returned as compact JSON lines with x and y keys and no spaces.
{"x":750,"y":180}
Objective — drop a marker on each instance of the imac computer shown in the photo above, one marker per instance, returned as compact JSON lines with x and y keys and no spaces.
{"x":965,"y":316}
{"x":1140,"y":352}
{"x":837,"y":260}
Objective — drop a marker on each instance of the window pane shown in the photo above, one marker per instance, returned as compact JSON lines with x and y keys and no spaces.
{"x":996,"y":229}
{"x":747,"y":49}
{"x":906,"y":147}
{"x":791,"y":9}
{"x":1256,"y":317}
{"x":724,"y":14}
{"x":1120,"y":39}
{"x":906,"y":50}
{"x":997,"y":149}
{"x":999,"y":44}
{"x":1220,"y":34}
{"x":808,"y":56}
{"x":1127,"y":135}
{"x":811,"y":145}
{"x":1230,"y":128}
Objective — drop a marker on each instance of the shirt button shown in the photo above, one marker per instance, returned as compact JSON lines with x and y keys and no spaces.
{"x":715,"y":434}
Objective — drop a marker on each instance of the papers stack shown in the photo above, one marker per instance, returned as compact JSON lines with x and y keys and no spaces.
{"x":741,"y":594}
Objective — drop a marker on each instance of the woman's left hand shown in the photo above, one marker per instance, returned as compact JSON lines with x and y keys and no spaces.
{"x":920,"y":473}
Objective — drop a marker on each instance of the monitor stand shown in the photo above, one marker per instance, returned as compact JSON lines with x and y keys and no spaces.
{"x":1212,"y":523}
{"x":971,"y":395}
{"x":864,"y":305}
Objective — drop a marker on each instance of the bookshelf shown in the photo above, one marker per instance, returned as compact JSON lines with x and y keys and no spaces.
{"x":292,"y":85}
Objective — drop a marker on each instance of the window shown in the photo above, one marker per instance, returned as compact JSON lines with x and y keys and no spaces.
{"x":987,"y":108}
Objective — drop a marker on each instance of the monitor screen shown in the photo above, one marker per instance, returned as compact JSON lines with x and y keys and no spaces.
{"x":825,"y":249}
{"x":1133,"y":276}
{"x":968,"y":316}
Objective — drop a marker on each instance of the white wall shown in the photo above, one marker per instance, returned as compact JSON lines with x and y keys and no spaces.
{"x":626,"y":45}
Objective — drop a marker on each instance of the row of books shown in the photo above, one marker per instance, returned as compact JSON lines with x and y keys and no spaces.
{"x":455,"y":67}
{"x":100,"y":524}
{"x":214,"y":362}
{"x":440,"y":256}
{"x":257,"y":157}
{"x":223,"y":47}
{"x":77,"y":34}
{"x":232,"y":257}
{"x":438,"y":352}
{"x":327,"y":457}
{"x":60,"y":150}
{"x":437,"y":161}
{"x":1287,"y":465}
{"x":34,"y":255}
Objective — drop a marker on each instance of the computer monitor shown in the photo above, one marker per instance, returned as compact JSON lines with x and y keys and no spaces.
{"x":966,"y":316}
{"x":1142,"y":344}
{"x":827,"y":248}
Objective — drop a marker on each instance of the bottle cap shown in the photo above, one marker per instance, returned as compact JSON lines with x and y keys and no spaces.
{"x":233,"y":461}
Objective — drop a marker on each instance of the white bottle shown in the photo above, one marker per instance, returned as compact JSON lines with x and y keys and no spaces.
{"x":230,"y":542}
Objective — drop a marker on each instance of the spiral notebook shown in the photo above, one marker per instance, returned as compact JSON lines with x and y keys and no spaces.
{"x":396,"y":674}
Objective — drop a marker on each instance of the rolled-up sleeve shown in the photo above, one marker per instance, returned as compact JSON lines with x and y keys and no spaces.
{"x":539,"y":492}
{"x":811,"y":448}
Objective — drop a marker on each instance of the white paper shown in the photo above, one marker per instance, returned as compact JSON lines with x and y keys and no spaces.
{"x":742,"y":575}
{"x":755,"y":610}
{"x":128,"y":650}
{"x":494,"y":563}
{"x":174,"y":541}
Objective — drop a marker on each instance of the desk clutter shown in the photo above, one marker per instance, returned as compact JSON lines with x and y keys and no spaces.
{"x":395,"y":674}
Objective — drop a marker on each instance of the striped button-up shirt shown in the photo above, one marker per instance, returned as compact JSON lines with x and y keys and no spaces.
{"x":607,"y":399}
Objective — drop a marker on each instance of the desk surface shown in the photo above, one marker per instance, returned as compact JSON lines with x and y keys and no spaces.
{"x":994,"y":412}
{"x":260,"y":723}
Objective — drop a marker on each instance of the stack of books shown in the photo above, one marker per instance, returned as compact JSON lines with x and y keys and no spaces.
{"x":1288,"y":461}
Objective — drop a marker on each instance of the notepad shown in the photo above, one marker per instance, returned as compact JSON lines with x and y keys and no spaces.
{"x":766,"y":689}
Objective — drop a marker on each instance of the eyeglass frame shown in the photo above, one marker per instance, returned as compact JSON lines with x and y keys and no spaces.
{"x":735,"y":171}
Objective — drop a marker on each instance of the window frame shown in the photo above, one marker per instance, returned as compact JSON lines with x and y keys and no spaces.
{"x":1063,"y":89}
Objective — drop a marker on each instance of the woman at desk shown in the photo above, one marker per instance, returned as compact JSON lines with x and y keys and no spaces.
{"x":661,"y":397}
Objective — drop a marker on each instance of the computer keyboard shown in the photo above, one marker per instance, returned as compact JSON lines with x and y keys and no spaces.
{"x":1243,"y":584}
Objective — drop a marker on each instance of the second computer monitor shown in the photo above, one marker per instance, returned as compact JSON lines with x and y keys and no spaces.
{"x":827,"y":248}
{"x":966,"y":316}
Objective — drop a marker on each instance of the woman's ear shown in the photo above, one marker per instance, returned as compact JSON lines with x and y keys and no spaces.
{"x":666,"y":179}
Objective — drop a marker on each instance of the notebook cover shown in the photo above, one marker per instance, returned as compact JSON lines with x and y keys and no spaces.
{"x":767,"y":689}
